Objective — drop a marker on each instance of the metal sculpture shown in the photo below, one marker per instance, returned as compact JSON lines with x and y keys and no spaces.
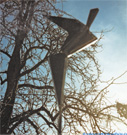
{"x":79,"y":37}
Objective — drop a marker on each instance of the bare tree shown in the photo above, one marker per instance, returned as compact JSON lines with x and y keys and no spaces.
{"x":28,"y":104}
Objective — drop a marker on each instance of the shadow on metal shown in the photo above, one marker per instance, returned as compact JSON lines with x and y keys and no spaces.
{"x":79,"y":34}
{"x":58,"y":65}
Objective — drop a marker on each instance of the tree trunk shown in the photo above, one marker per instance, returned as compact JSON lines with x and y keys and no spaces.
{"x":12,"y":81}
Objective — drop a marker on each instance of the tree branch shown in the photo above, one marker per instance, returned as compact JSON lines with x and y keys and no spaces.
{"x":63,"y":109}
{"x":5,"y":53}
{"x":34,"y":125}
{"x":35,"y":47}
{"x":31,"y":11}
{"x":2,"y":81}
{"x":48,"y":123}
{"x":21,"y":117}
{"x":4,"y":1}
{"x":12,"y":33}
{"x":3,"y":72}
{"x":34,"y":67}
{"x":35,"y":87}
{"x":27,"y":52}
{"x":106,"y":108}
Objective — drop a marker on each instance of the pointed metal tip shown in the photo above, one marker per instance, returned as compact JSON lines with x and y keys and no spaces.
{"x":58,"y":65}
{"x":95,"y":9}
{"x":92,"y":14}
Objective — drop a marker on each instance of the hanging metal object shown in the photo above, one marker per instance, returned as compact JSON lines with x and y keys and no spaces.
{"x":58,"y":65}
{"x":79,"y":34}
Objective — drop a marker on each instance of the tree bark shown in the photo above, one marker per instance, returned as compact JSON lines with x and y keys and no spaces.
{"x":12,"y":81}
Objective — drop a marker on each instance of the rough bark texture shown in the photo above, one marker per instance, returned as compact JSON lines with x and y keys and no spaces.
{"x":12,"y":83}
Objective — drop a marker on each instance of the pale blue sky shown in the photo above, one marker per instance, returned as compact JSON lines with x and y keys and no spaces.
{"x":112,"y":16}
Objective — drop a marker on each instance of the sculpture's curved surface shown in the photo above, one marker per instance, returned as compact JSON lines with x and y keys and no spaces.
{"x":79,"y":34}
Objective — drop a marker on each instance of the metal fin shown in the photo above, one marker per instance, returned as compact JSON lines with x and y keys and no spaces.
{"x":91,"y":17}
{"x":58,"y":64}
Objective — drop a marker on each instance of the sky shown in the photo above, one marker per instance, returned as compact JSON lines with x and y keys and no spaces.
{"x":112,"y":19}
